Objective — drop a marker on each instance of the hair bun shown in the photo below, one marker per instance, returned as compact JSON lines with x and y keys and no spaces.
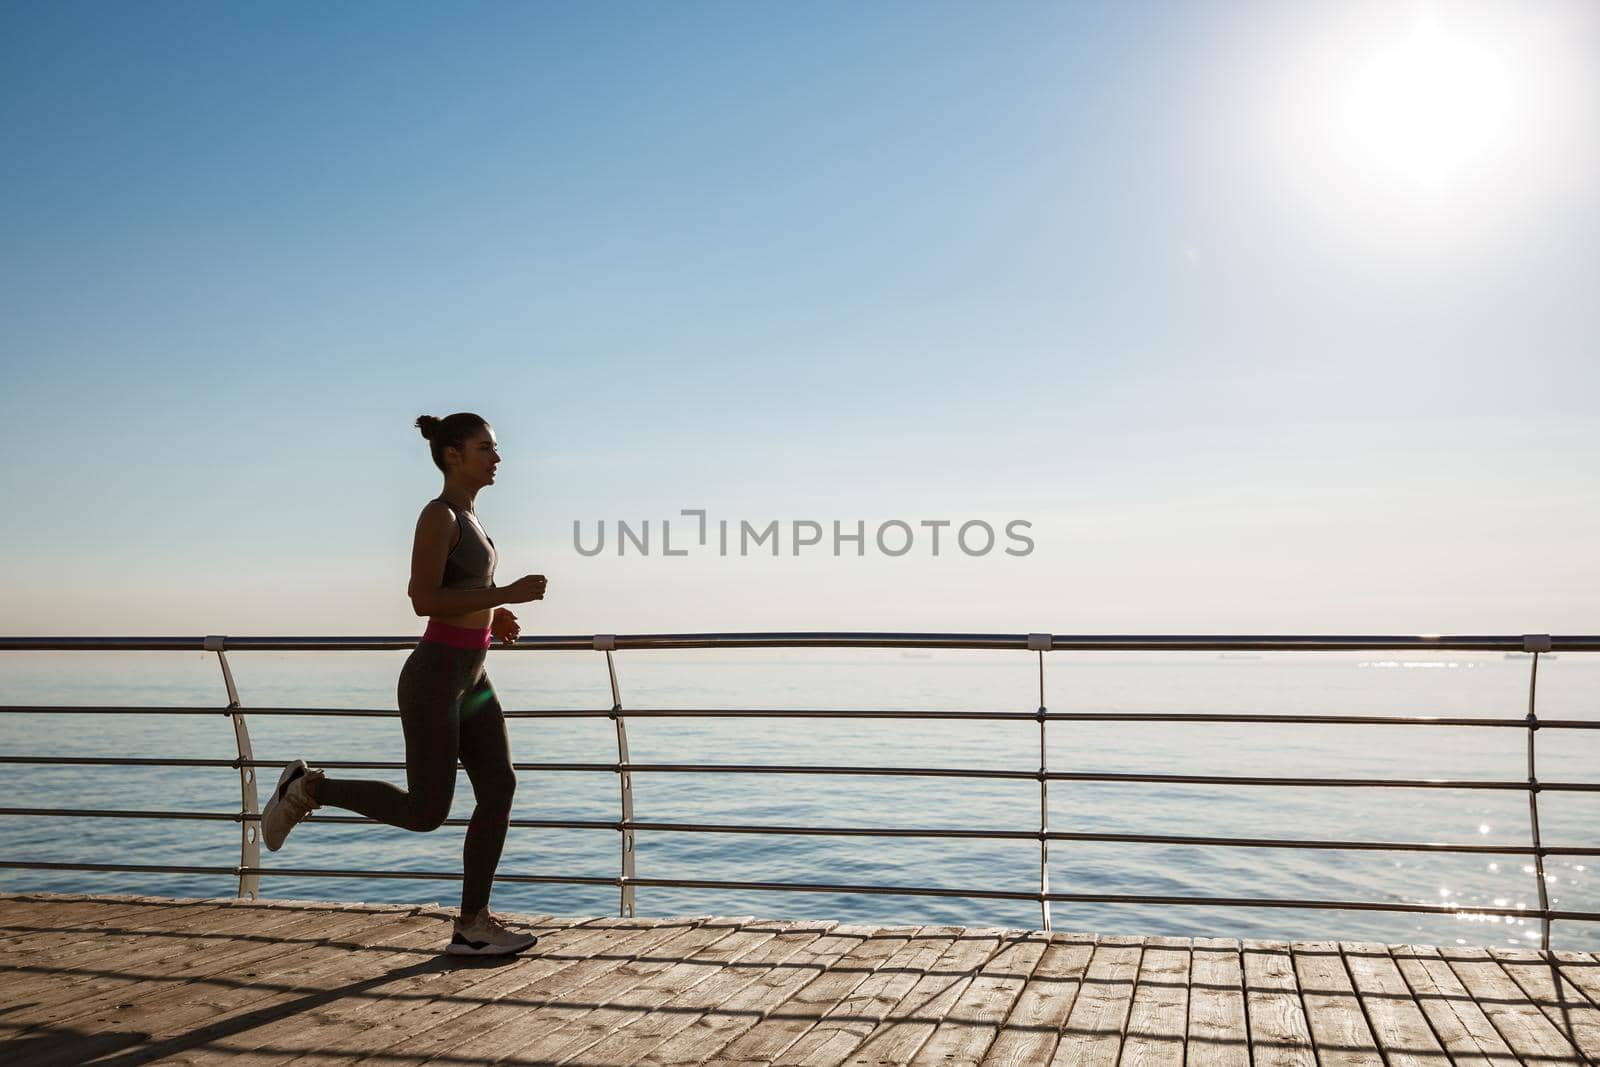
{"x":427,"y":424}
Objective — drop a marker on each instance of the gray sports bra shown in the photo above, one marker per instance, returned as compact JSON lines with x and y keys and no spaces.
{"x":473,"y":556}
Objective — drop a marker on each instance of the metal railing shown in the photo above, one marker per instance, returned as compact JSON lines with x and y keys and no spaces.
{"x":249,"y":869}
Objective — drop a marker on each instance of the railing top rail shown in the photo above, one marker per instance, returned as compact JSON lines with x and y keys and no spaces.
{"x":847,"y":639}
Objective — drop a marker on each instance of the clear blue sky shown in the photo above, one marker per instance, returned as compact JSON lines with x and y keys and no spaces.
{"x":1267,"y":317}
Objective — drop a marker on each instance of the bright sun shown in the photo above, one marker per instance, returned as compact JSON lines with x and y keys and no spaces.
{"x":1429,"y":108}
{"x":1407,"y":132}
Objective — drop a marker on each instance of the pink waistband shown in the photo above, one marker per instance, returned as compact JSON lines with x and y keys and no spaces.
{"x":456,"y":636}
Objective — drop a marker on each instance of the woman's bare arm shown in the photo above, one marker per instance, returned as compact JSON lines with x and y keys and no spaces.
{"x":435,"y":529}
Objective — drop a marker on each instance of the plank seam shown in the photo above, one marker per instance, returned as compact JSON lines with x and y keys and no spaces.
{"x":1244,"y":994}
{"x":999,"y":947}
{"x":1188,"y":999}
{"x":673,"y":994}
{"x":544,"y":983}
{"x":821,"y":930}
{"x":1438,"y":1038}
{"x":1028,"y":980}
{"x":1300,"y":994}
{"x":712,"y":1054}
{"x":1505,"y":1039}
{"x":1127,"y":1016}
{"x":636,"y":985}
{"x":848,"y":993}
{"x":1060,"y":1030}
{"x":1361,"y":1001}
{"x":1476,"y":1040}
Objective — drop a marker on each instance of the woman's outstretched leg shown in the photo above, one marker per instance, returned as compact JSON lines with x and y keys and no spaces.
{"x":430,"y":689}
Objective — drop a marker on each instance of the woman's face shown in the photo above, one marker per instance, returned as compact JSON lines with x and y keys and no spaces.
{"x":479,"y":457}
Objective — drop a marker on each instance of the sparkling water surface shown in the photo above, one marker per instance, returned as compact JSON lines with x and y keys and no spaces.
{"x":1468,"y":685}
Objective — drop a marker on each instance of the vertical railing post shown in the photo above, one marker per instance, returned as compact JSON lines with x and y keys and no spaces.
{"x":1536,"y":643}
{"x":1041,"y":643}
{"x":249,"y":828}
{"x":607,"y":643}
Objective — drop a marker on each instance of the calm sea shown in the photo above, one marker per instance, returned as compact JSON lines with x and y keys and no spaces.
{"x":1454,"y":685}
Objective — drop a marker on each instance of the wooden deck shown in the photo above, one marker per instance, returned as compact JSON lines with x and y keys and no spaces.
{"x":121,"y":979}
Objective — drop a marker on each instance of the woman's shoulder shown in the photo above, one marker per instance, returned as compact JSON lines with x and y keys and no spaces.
{"x":437,"y":512}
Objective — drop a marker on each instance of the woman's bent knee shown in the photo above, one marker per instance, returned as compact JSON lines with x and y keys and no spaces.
{"x":425,"y":821}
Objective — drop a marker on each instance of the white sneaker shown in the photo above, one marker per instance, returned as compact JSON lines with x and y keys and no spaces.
{"x":289,"y":803}
{"x":486,"y":936}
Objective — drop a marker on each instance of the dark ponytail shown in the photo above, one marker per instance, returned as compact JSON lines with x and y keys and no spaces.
{"x":449,"y":432}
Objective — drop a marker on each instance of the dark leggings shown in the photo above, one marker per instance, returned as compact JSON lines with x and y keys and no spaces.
{"x":448,"y":709}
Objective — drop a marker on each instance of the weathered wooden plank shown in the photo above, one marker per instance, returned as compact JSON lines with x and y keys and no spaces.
{"x":289,"y":989}
{"x":144,"y":927}
{"x":52,"y":938}
{"x":194,"y":1016}
{"x":1029,"y":1034}
{"x":49,"y":895}
{"x":1158,"y":1022}
{"x":1279,"y":1033}
{"x":1218,"y":1033}
{"x":180,"y":931}
{"x":136,"y":971}
{"x":652,"y":994}
{"x":1093,"y":1034}
{"x":68,"y":900}
{"x":463,"y":1007}
{"x":750,"y":1005}
{"x":1397,"y":1022}
{"x":33,"y":923}
{"x":337,"y":1011}
{"x":637,"y":1038}
{"x":1522,"y":1026}
{"x":767,"y":1039}
{"x":848,"y":1022}
{"x":1457,"y":1021}
{"x":1541,"y":980}
{"x":105,"y":1020}
{"x":1339,"y":1029}
{"x":182,"y":980}
{"x":973,"y":1022}
{"x":912,"y":1021}
{"x":617,"y":987}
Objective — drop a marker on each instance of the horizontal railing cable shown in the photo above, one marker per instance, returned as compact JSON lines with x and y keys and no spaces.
{"x":1000,"y":774}
{"x":835,"y":639}
{"x":1165,"y":718}
{"x":957,"y":833}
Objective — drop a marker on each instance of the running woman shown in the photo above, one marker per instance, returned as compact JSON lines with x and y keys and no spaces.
{"x":448,"y":708}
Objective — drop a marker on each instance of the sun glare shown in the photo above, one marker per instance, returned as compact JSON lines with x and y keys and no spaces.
{"x":1429,"y":108}
{"x":1409,"y":135}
